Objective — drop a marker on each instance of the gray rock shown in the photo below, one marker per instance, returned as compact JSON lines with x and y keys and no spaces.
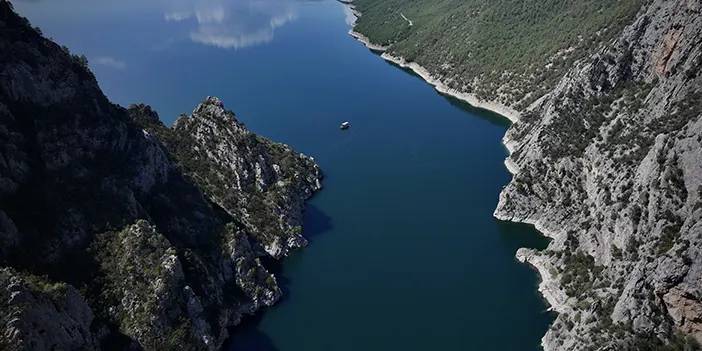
{"x":36,"y":314}
{"x":611,"y":168}
{"x":261,"y":183}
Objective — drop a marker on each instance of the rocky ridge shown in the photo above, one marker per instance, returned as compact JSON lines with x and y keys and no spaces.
{"x":32,"y":305}
{"x":119,"y":233}
{"x":270,"y":181}
{"x":608,"y":164}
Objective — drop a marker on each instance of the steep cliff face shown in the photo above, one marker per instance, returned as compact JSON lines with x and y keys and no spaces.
{"x":606,"y":152}
{"x":40,"y":315}
{"x":263,"y":184}
{"x":147,"y":236}
{"x":609,"y":164}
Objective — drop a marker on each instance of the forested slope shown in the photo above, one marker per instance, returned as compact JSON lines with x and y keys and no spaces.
{"x":507,"y":49}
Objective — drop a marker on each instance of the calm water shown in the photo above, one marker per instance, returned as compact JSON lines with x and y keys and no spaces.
{"x":405,"y":253}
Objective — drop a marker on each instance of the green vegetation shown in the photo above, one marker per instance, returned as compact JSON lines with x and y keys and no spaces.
{"x":670,"y":235}
{"x":82,"y":60}
{"x":685,"y":111}
{"x":579,"y":273}
{"x":677,"y":342}
{"x":582,"y":117}
{"x":134,"y":263}
{"x":56,"y":290}
{"x":534,"y":41}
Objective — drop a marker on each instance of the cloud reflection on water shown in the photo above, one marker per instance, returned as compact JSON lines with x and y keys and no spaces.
{"x":232,"y":24}
{"x":110,"y":62}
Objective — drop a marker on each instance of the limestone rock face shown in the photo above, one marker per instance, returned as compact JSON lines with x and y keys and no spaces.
{"x":151,"y":224}
{"x":261,"y":183}
{"x":609,"y":164}
{"x":145,"y":287}
{"x":41,"y":315}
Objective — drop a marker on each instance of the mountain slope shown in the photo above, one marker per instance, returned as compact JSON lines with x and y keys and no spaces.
{"x":510,"y":51}
{"x":611,"y":168}
{"x":606,"y":157}
{"x":111,"y":240}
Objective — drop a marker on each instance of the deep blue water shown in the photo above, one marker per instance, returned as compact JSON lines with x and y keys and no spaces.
{"x":405,"y":253}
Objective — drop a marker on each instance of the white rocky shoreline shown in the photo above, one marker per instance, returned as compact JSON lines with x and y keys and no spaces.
{"x":493,"y":106}
{"x":549,"y":286}
{"x":442,"y":88}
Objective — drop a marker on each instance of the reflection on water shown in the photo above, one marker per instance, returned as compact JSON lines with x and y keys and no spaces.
{"x":229,"y":24}
{"x":232,"y":24}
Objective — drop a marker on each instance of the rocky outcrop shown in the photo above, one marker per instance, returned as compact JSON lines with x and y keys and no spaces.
{"x":609,"y":165}
{"x":261,"y":183}
{"x":164,"y":242}
{"x":606,"y":161}
{"x":146,"y":290}
{"x":147,"y":293}
{"x":41,"y":315}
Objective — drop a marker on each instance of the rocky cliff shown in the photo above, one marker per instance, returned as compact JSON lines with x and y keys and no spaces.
{"x":119,"y":233}
{"x":608,"y":163}
{"x":264,"y":184}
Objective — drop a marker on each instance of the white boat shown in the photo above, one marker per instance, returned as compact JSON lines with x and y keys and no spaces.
{"x":345,"y":125}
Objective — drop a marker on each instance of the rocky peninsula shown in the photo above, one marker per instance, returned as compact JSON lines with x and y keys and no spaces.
{"x":118,"y":232}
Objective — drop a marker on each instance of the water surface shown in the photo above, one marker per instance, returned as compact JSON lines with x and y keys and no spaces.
{"x":405,"y":253}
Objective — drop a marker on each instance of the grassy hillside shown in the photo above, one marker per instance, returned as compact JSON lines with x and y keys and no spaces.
{"x":481,"y":44}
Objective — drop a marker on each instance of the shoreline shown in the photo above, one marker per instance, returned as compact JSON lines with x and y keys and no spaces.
{"x":492,"y":106}
{"x":548,"y":286}
{"x":504,"y":111}
{"x":366,"y":41}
